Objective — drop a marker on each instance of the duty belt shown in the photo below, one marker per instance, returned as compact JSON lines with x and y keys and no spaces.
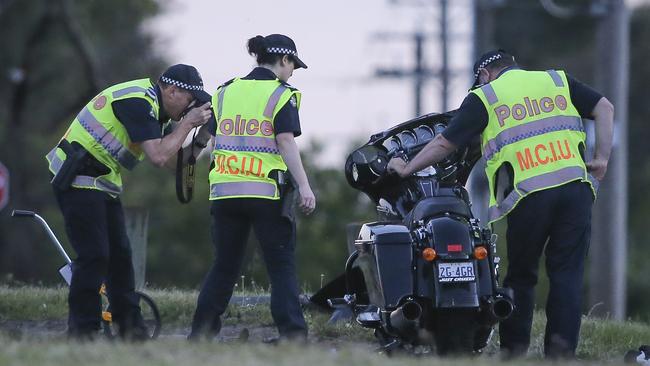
{"x":83,"y":180}
{"x":537,"y":183}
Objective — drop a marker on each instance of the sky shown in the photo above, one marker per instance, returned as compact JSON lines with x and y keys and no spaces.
{"x":340,"y":41}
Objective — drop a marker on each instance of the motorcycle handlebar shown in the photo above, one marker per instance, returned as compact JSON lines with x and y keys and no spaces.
{"x":22,"y":213}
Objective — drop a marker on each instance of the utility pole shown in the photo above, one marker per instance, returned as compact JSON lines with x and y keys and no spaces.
{"x":483,"y":41}
{"x":444,"y":46}
{"x":420,"y":73}
{"x":608,"y":253}
{"x":483,"y":27}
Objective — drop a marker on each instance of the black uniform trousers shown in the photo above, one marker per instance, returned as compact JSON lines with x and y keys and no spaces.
{"x":232,"y":220}
{"x":558,"y":222}
{"x":94,"y":222}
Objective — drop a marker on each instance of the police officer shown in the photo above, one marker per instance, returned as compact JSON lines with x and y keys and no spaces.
{"x":254,"y":150}
{"x":114,"y":131}
{"x":533,"y":140}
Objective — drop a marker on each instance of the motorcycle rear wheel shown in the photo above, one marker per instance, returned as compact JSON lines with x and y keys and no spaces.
{"x":454,"y":331}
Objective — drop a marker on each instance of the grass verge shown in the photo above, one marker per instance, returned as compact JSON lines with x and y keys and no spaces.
{"x":601,"y":340}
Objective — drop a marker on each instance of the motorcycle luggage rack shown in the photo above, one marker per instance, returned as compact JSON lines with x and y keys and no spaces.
{"x":363,"y":245}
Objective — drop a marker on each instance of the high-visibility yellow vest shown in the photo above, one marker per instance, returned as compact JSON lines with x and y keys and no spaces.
{"x":534,"y":127}
{"x":245,"y":149}
{"x":97,"y":129}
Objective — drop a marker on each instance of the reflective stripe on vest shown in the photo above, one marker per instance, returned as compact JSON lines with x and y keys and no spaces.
{"x":242,"y":189}
{"x":536,"y":183}
{"x":220,"y":104}
{"x":490,"y":95}
{"x":557,"y":79}
{"x":114,"y":147}
{"x":219,"y":110}
{"x":128,"y":90}
{"x":527,"y":130}
{"x":247,"y":143}
{"x":83,"y":180}
{"x":273,"y":101}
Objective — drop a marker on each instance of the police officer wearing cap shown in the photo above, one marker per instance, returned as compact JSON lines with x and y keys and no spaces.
{"x":255,"y":159}
{"x":532,"y":137}
{"x":116,"y":130}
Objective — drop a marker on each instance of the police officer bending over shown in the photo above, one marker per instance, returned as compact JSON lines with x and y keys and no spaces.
{"x":254,"y":150}
{"x":116,"y":130}
{"x":533,"y":140}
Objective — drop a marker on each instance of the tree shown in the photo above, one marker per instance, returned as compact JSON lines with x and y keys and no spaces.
{"x":62,"y":53}
{"x":639,"y":165}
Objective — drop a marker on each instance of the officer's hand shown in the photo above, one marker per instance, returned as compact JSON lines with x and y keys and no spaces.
{"x":307,"y":199}
{"x":597,"y":168}
{"x":397,"y":165}
{"x":198,"y":116}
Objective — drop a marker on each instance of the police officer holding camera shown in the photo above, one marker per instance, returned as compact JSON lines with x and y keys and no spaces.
{"x":533,"y":139}
{"x":117,"y":129}
{"x":255,"y":161}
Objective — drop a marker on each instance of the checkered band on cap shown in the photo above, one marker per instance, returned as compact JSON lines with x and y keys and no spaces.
{"x":486,"y":62}
{"x":180,"y":84}
{"x":284,"y":51}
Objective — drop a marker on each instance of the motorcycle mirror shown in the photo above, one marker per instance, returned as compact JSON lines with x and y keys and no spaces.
{"x":366,"y":166}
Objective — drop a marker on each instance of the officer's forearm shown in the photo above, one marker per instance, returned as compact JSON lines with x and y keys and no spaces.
{"x":604,"y":120}
{"x":159,"y":151}
{"x":291,"y":155}
{"x":433,"y":152}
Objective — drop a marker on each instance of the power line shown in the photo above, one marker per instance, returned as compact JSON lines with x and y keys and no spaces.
{"x":419,"y":73}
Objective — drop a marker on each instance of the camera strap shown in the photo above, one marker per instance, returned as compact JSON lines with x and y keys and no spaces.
{"x":185,"y":175}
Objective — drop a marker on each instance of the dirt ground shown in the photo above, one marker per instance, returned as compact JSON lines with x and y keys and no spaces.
{"x":56,"y":328}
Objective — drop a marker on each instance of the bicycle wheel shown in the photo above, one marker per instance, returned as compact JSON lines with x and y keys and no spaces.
{"x":109,"y":329}
{"x":150,"y":316}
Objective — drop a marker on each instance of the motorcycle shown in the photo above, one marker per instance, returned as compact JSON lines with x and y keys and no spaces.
{"x":429,"y":269}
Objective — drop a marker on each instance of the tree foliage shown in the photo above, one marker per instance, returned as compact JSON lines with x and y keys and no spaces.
{"x":62,"y":53}
{"x":58,"y":55}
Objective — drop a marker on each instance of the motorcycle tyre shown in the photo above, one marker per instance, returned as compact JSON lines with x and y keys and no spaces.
{"x":454,"y":331}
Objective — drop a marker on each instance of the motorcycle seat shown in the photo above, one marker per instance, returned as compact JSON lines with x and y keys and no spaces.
{"x":435,"y":206}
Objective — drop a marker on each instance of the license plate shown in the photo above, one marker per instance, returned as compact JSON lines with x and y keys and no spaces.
{"x":456,"y":272}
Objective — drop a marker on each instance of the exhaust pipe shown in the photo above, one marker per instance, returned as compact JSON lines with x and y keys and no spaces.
{"x":497,"y":309}
{"x":501,"y":308}
{"x":404,"y":318}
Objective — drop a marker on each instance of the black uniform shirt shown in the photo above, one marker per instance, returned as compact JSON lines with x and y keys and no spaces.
{"x":137,"y":116}
{"x":286,"y":120}
{"x":472,"y":118}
